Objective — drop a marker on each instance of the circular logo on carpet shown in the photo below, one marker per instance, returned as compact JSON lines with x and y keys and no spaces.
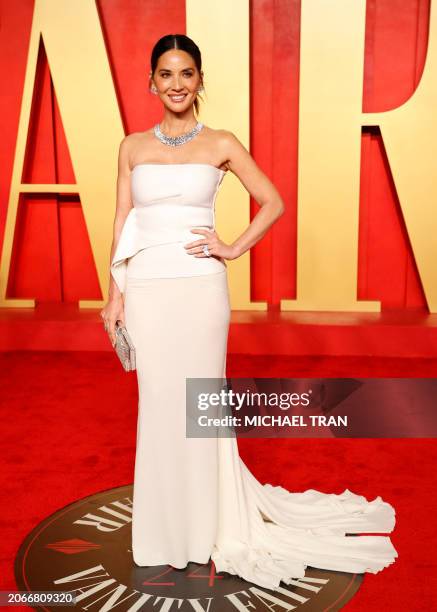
{"x":85,"y":549}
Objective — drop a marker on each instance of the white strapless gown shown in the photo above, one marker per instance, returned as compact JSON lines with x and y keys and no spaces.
{"x":195,"y":499}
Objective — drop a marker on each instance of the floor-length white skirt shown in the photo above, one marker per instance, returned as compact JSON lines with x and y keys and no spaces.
{"x":194,"y":498}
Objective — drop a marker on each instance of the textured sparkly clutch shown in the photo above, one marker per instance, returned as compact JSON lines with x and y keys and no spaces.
{"x":124,"y":348}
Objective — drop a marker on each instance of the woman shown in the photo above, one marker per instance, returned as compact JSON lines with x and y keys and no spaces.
{"x":194,"y":498}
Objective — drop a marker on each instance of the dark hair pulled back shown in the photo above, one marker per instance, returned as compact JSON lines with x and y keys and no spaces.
{"x":182,"y":42}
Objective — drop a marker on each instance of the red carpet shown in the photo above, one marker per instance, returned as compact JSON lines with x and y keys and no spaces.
{"x":69,"y":419}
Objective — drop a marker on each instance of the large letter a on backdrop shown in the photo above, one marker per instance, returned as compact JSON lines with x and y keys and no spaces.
{"x":82,"y":79}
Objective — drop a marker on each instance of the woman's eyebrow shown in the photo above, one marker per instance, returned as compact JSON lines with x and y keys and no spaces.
{"x":168,"y":69}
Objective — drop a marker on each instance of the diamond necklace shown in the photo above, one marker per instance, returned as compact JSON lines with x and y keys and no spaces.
{"x":175,"y":141}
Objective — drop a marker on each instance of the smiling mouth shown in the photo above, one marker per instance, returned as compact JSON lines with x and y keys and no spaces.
{"x":178,"y":98}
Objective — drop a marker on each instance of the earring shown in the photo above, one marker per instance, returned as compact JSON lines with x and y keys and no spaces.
{"x":153,"y":90}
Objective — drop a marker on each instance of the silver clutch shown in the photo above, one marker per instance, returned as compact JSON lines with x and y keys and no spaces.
{"x":124,"y":348}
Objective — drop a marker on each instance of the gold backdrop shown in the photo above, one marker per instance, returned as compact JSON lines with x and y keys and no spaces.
{"x":330,"y":122}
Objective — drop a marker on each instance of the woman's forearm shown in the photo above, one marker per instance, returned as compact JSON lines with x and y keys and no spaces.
{"x":262,"y":221}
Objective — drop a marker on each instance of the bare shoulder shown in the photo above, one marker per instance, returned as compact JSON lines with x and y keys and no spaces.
{"x":241,"y":163}
{"x":221,"y":137}
{"x":230,"y":145}
{"x":128,"y":142}
{"x":228,"y":138}
{"x":131,"y":143}
{"x":233,"y":150}
{"x":124,"y":155}
{"x":227,"y":146}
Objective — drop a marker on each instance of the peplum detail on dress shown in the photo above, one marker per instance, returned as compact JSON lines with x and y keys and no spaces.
{"x":167,"y":203}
